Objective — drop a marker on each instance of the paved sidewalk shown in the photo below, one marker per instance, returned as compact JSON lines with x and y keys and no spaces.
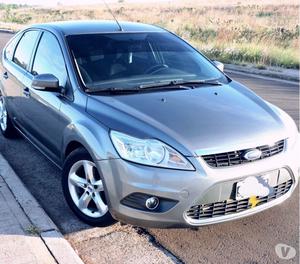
{"x":27,"y":234}
{"x":18,"y":241}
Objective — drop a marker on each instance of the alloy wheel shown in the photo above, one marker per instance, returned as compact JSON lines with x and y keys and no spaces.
{"x":86,"y":189}
{"x":3,"y":114}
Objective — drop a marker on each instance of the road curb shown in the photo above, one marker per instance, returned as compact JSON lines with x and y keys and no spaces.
{"x":58,"y":246}
{"x":7,"y":31}
{"x":292,"y":77}
{"x":263,"y":77}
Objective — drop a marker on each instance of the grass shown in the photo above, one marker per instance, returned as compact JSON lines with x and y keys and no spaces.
{"x":33,"y":230}
{"x":264,"y":33}
{"x":260,"y":55}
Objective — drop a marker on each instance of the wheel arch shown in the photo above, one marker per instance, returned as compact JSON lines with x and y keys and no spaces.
{"x":95,"y":141}
{"x":72,"y":145}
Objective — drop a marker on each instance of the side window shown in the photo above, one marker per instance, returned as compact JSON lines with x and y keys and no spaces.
{"x":49,"y":59}
{"x":9,"y":51}
{"x":24,"y":49}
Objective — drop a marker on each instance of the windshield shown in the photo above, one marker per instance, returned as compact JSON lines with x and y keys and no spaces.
{"x":128,"y":60}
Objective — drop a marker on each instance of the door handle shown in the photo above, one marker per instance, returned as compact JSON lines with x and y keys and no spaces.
{"x":5,"y":75}
{"x":26,"y":92}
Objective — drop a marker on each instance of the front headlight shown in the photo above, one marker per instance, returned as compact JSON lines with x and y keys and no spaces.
{"x":150,"y":152}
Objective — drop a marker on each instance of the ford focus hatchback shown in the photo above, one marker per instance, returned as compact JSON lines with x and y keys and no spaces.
{"x":146,"y":129}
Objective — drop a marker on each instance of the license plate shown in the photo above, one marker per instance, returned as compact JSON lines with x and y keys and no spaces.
{"x":253,"y":186}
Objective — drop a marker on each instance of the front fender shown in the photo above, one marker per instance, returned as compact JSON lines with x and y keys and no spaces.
{"x":93,"y":136}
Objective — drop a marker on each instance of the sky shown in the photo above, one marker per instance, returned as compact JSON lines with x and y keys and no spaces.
{"x":63,"y":2}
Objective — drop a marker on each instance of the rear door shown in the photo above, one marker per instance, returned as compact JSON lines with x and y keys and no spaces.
{"x":16,"y":60}
{"x":41,"y":112}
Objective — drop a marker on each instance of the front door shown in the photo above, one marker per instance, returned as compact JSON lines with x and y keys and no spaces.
{"x":41,"y":116}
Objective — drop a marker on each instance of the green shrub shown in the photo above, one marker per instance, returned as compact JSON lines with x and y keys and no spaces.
{"x":264,"y":14}
{"x":203,"y":34}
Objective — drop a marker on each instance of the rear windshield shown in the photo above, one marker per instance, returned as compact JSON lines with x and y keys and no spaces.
{"x":125,"y":60}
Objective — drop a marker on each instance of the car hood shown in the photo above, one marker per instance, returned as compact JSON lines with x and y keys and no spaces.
{"x":198,"y":121}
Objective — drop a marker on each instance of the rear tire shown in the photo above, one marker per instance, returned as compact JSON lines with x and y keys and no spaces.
{"x":83,"y":189}
{"x":6,"y":126}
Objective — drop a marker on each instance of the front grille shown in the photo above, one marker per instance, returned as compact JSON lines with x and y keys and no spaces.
{"x":204,"y":211}
{"x":232,"y":158}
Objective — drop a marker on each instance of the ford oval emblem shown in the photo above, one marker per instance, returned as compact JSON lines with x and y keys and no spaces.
{"x":252,"y":154}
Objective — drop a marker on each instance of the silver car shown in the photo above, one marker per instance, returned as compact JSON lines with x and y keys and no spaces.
{"x":146,"y":129}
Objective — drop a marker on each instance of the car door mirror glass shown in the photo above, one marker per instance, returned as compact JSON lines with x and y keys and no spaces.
{"x":46,"y":82}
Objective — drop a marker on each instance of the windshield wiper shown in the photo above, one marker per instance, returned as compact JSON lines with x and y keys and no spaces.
{"x":161,"y":84}
{"x":112,"y":90}
{"x":156,"y":86}
{"x":179,"y":84}
{"x":173,"y":84}
{"x":200,"y":82}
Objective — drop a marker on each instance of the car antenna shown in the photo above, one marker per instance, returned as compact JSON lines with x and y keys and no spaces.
{"x":111,"y":12}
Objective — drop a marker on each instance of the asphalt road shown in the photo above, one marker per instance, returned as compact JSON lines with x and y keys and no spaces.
{"x":249,"y":241}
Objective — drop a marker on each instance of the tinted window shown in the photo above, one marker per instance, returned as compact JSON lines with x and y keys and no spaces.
{"x":132,"y":59}
{"x":49,"y":58}
{"x":25,"y":48}
{"x":9,"y":51}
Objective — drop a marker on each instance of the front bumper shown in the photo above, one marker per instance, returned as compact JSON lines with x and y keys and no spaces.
{"x":188,"y":188}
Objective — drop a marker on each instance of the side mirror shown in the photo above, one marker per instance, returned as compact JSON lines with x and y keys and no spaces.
{"x":45,"y":82}
{"x":219,"y":65}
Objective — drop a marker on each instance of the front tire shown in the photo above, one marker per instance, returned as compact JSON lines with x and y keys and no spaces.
{"x":6,"y":126}
{"x":83,"y":189}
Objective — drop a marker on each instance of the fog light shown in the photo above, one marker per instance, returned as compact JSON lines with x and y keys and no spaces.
{"x":152,"y":203}
{"x":147,"y":202}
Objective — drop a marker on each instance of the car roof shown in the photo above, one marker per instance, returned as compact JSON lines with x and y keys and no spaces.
{"x":97,"y":26}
